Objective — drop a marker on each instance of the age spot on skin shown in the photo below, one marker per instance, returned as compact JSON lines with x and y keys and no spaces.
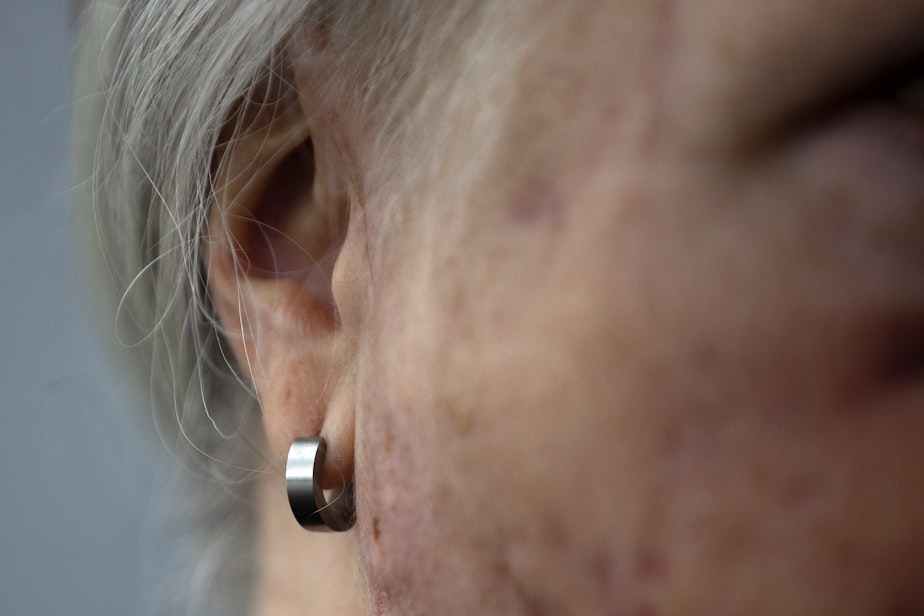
{"x":650,"y":566}
{"x":389,"y":443}
{"x":460,"y":415}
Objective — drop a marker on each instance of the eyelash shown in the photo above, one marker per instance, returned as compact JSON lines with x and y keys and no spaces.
{"x":896,"y":87}
{"x":895,"y":96}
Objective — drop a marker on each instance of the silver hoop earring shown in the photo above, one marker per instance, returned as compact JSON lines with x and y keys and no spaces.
{"x":304,"y":469}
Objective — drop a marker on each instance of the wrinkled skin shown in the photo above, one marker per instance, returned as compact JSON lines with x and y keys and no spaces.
{"x":662,"y":352}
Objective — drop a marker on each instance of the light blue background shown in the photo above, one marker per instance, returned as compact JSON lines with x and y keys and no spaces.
{"x":83,"y":528}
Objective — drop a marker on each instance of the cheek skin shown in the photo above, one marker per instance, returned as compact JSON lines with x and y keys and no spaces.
{"x":611,"y":430}
{"x":643,"y":391}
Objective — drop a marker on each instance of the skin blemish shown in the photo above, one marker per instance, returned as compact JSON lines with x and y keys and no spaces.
{"x":536,"y":204}
{"x":460,"y":416}
{"x":462,"y":421}
{"x":799,"y":494}
{"x":376,"y":531}
{"x":650,"y":566}
{"x":389,"y":443}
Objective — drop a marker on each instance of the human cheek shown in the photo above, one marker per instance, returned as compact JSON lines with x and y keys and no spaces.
{"x":474,"y":427}
{"x":699,"y":397}
{"x":391,"y":483}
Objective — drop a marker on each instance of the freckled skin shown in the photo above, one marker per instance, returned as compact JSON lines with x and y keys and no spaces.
{"x":647,"y":384}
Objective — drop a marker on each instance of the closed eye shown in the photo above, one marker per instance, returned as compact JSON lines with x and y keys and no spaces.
{"x":894,"y":87}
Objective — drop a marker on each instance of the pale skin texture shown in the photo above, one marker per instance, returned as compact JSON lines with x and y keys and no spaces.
{"x":673,"y":363}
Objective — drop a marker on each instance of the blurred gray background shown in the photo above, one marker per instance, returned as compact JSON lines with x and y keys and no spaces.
{"x":83,"y":528}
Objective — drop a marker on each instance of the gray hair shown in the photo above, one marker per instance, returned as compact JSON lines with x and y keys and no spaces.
{"x":159,"y":83}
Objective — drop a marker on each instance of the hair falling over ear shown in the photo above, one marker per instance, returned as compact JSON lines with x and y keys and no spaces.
{"x":158,"y":82}
{"x":162,"y":86}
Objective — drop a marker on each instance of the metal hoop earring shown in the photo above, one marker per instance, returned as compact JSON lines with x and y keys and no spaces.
{"x":304,"y":469}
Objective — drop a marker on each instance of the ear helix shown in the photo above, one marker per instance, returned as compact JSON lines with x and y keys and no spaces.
{"x":304,"y":470}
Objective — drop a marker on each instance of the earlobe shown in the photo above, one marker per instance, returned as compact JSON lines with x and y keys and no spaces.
{"x":275,"y":229}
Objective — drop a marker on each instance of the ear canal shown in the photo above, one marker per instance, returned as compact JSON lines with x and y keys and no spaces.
{"x":269,"y":249}
{"x":293,"y":228}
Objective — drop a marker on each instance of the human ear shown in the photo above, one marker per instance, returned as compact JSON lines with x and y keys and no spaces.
{"x":278,"y":222}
